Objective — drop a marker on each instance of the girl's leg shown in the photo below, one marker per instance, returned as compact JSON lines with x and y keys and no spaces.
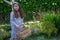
{"x":13,"y":33}
{"x":13,"y":36}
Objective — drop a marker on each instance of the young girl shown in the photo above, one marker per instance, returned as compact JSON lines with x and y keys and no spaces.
{"x":16,"y":20}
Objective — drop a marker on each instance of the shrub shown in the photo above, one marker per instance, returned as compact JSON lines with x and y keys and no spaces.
{"x":57,"y":21}
{"x":4,"y":32}
{"x":47,"y":25}
{"x":48,"y":28}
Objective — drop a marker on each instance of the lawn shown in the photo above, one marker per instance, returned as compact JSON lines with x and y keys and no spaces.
{"x":41,"y":38}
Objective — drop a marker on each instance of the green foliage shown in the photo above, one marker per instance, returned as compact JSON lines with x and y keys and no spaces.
{"x":49,"y":17}
{"x":4,"y":32}
{"x":49,"y":22}
{"x":29,"y":6}
{"x":6,"y":28}
{"x":47,"y":25}
{"x":57,"y":21}
{"x":48,"y":28}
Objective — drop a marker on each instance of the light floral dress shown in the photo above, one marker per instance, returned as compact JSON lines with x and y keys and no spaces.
{"x":14,"y":21}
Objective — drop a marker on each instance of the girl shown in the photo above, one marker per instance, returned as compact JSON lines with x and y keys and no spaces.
{"x":16,"y":20}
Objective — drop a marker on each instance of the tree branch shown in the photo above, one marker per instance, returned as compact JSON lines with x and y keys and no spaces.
{"x":9,"y":2}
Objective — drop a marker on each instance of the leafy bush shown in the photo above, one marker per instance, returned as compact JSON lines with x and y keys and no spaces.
{"x":47,"y":25}
{"x":7,"y":28}
{"x":48,"y":28}
{"x":57,"y":21}
{"x":49,"y":17}
{"x":5,"y":32}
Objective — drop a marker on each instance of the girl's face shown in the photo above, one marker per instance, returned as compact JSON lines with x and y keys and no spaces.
{"x":16,"y":7}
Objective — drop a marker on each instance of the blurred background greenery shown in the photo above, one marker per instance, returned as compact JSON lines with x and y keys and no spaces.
{"x":42,"y":16}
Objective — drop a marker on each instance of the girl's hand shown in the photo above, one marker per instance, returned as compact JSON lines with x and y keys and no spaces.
{"x":17,"y":26}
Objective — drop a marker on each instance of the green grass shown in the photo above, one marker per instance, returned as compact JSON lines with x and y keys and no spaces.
{"x":40,"y":38}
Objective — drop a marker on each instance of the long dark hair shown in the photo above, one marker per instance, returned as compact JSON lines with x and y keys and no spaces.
{"x":20,"y":10}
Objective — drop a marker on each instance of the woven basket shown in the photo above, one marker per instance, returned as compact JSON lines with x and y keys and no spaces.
{"x":25,"y":32}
